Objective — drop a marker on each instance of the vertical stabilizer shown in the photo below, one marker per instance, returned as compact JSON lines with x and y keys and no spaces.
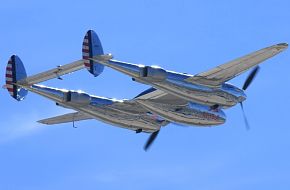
{"x":91,"y":47}
{"x":15,"y":71}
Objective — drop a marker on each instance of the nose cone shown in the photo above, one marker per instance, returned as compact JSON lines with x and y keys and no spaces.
{"x":238,"y":94}
{"x":221,"y":117}
{"x":242,"y":97}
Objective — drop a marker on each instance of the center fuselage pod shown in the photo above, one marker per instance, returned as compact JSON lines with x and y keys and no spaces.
{"x":190,"y":114}
{"x":100,"y":108}
{"x":175,"y":83}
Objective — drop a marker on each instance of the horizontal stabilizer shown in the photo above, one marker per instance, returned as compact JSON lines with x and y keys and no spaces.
{"x":70,"y":117}
{"x":91,"y":47}
{"x":53,"y":73}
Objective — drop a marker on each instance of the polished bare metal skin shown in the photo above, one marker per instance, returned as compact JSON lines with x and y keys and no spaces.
{"x":100,"y":108}
{"x":209,"y":88}
{"x":131,"y":114}
{"x":175,"y":83}
{"x":194,"y":100}
{"x":189,"y":114}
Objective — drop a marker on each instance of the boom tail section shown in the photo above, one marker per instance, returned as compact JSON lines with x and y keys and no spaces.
{"x":100,"y":108}
{"x":16,"y":77}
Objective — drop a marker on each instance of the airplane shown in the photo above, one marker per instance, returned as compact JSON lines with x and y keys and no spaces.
{"x":192,"y":100}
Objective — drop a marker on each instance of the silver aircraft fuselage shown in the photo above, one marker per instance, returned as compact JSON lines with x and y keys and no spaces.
{"x":132,"y":114}
{"x":175,"y":83}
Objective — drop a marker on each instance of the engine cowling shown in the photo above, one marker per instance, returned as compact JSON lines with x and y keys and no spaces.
{"x":153,"y":74}
{"x":79,"y":98}
{"x":190,"y":114}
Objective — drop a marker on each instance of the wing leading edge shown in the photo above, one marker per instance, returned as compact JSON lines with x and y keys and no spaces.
{"x":220,"y":74}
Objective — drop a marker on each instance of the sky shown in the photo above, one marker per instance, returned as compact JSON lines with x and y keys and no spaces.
{"x":183,"y":35}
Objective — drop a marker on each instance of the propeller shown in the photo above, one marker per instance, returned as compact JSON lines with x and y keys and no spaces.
{"x":245,"y":117}
{"x":151,"y":140}
{"x":251,"y":77}
{"x":247,"y":83}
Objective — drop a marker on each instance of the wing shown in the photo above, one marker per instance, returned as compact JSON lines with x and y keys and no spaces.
{"x":227,"y":71}
{"x":70,"y":117}
{"x":160,"y":96}
{"x":54,"y":73}
{"x":152,"y":94}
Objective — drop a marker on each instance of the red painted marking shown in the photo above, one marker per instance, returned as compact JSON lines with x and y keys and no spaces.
{"x":10,"y":89}
{"x":87,"y":64}
{"x":86,"y":57}
{"x":9,"y":75}
{"x":86,"y":50}
{"x":9,"y":68}
{"x":210,"y":116}
{"x":85,"y":44}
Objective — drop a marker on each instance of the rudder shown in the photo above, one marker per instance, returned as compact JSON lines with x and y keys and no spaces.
{"x":15,"y":71}
{"x":91,"y":47}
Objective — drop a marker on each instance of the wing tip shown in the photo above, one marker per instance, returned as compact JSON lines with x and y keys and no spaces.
{"x":281,"y":46}
{"x":277,"y":48}
{"x":43,"y":122}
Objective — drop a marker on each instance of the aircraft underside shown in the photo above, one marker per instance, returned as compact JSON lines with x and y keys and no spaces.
{"x":192,"y":100}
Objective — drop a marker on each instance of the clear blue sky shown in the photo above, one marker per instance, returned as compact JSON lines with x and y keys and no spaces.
{"x":182,"y":35}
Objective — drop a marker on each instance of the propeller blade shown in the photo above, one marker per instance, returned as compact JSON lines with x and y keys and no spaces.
{"x":245,"y":117}
{"x":251,"y":77}
{"x":151,"y":140}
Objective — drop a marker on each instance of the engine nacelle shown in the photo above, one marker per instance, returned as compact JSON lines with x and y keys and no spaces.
{"x":153,"y":74}
{"x":190,"y":114}
{"x":79,"y":98}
